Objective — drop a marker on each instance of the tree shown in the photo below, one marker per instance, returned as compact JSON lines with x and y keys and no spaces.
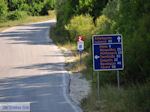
{"x":3,"y":9}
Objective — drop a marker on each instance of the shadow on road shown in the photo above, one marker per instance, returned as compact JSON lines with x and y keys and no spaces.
{"x":42,"y":91}
{"x":26,"y":34}
{"x":44,"y":66}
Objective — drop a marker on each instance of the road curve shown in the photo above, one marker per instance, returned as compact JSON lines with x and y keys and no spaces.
{"x":32,"y":69}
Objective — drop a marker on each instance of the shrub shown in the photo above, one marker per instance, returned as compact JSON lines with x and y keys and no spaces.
{"x":24,"y":7}
{"x":64,"y":13}
{"x":16,"y":15}
{"x":15,"y":4}
{"x":103,"y":25}
{"x":36,"y":8}
{"x":3,"y":9}
{"x":80,"y":25}
{"x":137,"y":53}
{"x":48,"y":5}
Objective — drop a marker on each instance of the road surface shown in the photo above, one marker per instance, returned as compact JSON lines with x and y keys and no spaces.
{"x":32,"y":69}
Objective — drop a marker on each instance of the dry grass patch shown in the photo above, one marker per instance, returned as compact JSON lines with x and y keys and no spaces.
{"x":29,"y":19}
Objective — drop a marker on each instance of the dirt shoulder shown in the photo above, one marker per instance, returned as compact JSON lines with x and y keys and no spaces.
{"x":79,"y":86}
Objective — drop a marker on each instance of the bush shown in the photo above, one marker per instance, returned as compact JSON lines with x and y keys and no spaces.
{"x":36,"y":8}
{"x":64,"y":13}
{"x":137,"y":53}
{"x":16,"y":15}
{"x":33,"y":7}
{"x":25,"y":7}
{"x":103,"y":25}
{"x":48,"y":5}
{"x":3,"y":9}
{"x":80,"y":25}
{"x":15,"y":4}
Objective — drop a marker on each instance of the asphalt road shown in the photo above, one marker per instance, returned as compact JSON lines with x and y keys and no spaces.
{"x":32,"y":69}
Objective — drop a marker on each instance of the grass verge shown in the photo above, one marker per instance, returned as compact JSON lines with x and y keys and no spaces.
{"x":112,"y":99}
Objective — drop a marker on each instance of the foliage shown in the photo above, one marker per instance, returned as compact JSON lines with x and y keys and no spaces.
{"x":92,"y":7}
{"x":124,"y":19}
{"x":134,"y":22}
{"x":15,"y":4}
{"x":107,"y":11}
{"x":48,"y":5}
{"x":84,"y":6}
{"x":80,"y":25}
{"x":21,"y":8}
{"x":64,"y":9}
{"x":36,"y":8}
{"x":16,"y":15}
{"x":112,"y":99}
{"x":103,"y":25}
{"x":138,"y":53}
{"x":97,"y":8}
{"x":127,"y":17}
{"x":3,"y":9}
{"x":25,"y":7}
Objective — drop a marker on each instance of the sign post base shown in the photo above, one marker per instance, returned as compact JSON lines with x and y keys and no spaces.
{"x":98,"y":85}
{"x":118,"y":79}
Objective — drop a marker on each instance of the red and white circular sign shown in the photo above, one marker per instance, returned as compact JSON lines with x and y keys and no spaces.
{"x":80,"y":38}
{"x":80,"y":43}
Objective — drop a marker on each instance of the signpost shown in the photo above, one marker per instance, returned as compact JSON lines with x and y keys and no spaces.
{"x":80,"y":46}
{"x":108,"y":53}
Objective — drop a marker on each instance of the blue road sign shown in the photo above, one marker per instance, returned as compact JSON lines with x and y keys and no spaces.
{"x":108,"y":52}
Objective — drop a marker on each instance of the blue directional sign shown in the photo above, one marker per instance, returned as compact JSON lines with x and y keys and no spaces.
{"x":108,"y":52}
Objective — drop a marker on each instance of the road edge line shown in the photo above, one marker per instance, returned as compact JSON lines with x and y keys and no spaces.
{"x":75,"y":107}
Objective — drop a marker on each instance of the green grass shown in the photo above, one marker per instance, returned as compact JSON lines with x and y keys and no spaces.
{"x":28,"y":19}
{"x":112,"y":99}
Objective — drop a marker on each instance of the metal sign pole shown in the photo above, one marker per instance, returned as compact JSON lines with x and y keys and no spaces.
{"x":92,"y":76}
{"x":80,"y":56}
{"x":118,"y":79}
{"x":98,"y":85}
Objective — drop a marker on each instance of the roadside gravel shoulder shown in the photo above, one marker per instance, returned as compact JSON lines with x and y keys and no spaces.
{"x":79,"y":86}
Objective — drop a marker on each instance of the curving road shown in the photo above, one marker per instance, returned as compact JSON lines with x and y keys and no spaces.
{"x":32,"y":69}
